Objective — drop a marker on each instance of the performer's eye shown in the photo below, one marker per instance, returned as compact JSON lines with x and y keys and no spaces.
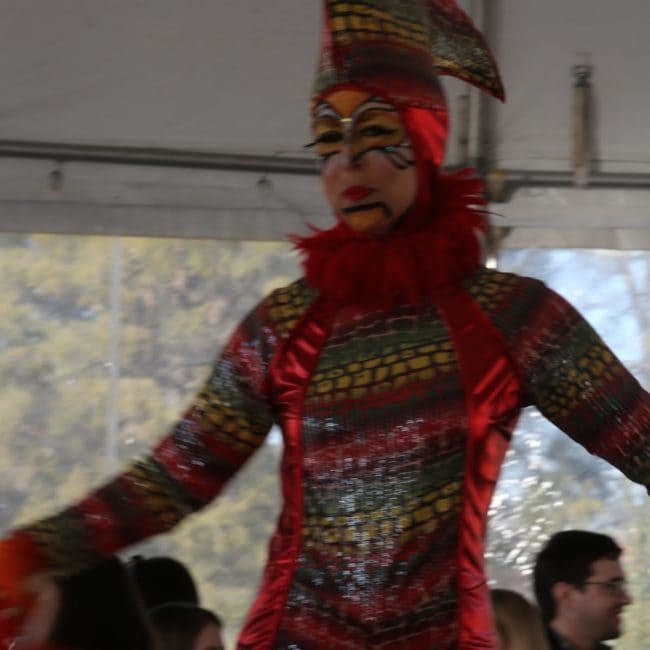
{"x":330,"y":137}
{"x":326,"y":138}
{"x":377,"y":130}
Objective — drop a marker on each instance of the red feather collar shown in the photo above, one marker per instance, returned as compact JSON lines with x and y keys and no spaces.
{"x":429,"y":250}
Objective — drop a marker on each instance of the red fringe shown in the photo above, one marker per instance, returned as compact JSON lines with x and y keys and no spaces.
{"x":408,"y":266}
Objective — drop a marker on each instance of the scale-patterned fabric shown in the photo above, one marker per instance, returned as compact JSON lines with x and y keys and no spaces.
{"x":386,"y":484}
{"x":397,"y":48}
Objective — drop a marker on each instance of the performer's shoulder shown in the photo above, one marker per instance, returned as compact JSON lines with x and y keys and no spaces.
{"x":285,"y":306}
{"x":515,"y":304}
{"x":490,"y":287}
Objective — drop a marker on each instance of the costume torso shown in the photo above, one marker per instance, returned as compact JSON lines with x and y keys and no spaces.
{"x":390,"y":467}
{"x":395,"y":425}
{"x":383,"y":431}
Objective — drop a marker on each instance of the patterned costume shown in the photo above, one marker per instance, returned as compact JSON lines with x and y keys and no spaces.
{"x":388,"y":466}
{"x":396,"y":368}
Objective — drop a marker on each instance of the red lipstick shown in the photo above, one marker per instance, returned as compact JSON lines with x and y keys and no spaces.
{"x":357,"y":192}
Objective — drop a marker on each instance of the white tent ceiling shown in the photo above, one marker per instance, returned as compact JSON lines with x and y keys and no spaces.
{"x":230,"y":79}
{"x":537,"y":43}
{"x":217,"y":75}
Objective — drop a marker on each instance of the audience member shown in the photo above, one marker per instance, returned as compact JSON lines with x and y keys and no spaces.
{"x":161,"y":580}
{"x":97,"y":609}
{"x":518,"y":622}
{"x":581,"y":590}
{"x":182,"y":626}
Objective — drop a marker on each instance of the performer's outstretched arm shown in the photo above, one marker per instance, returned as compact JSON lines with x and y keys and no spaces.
{"x":225,"y":424}
{"x":577,"y":382}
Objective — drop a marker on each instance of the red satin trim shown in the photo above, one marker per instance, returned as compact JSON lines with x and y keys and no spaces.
{"x":428,"y":130}
{"x":289,"y":377}
{"x":493,"y":393}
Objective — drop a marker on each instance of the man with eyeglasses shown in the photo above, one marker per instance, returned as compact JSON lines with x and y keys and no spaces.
{"x":581,"y":590}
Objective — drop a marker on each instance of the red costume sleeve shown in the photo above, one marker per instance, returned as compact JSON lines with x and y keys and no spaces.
{"x":577,"y":383}
{"x":569,"y":373}
{"x":225,"y":424}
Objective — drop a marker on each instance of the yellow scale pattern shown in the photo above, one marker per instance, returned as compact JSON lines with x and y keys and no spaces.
{"x":591,"y":368}
{"x":58,"y":545}
{"x":228,"y":425}
{"x":489,"y":288}
{"x":394,"y":369}
{"x":155,"y":496}
{"x":406,"y":522}
{"x":58,"y":539}
{"x":287,"y":305}
{"x":354,"y":21}
{"x":596,"y":364}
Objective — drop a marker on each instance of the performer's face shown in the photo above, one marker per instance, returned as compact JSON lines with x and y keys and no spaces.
{"x":368,"y":171}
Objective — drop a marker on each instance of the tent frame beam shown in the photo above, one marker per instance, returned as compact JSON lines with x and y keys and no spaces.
{"x":502,"y":182}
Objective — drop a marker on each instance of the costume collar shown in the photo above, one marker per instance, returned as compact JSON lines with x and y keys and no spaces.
{"x":435,"y":246}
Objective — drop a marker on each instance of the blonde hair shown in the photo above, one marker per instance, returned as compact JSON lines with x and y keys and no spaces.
{"x":519,"y":622}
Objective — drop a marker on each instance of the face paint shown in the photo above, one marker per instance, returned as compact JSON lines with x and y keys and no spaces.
{"x":368,"y":168}
{"x":374,"y":126}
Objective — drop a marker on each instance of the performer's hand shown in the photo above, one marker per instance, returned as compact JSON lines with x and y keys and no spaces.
{"x":10,"y":622}
{"x":18,"y":560}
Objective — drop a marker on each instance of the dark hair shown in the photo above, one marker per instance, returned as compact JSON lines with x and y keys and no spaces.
{"x":179,"y":624}
{"x":100,"y":610}
{"x":567,"y":557}
{"x":162,"y":580}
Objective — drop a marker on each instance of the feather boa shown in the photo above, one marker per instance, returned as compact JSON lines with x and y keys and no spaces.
{"x":429,"y":250}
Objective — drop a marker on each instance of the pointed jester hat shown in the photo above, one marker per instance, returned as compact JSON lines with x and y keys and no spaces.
{"x":397,"y":49}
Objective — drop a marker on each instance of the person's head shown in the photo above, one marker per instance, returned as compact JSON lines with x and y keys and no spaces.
{"x":96,"y":609}
{"x":161,"y":580}
{"x":368,"y":165}
{"x":518,"y":622}
{"x":182,"y":626}
{"x":580,"y":584}
{"x":379,"y":115}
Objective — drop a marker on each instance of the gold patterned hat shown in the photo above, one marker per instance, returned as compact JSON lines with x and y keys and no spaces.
{"x":397,"y":49}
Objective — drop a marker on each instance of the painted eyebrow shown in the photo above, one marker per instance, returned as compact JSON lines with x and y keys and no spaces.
{"x":372,"y":103}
